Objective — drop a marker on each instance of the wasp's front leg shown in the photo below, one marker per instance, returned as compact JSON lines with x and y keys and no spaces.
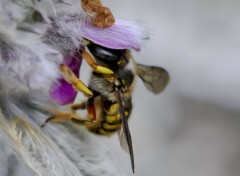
{"x":97,"y":68}
{"x":72,"y":79}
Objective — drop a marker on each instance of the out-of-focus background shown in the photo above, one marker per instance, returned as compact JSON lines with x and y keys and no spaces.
{"x":193,"y":127}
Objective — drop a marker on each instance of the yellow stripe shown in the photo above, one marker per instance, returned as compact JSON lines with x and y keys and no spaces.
{"x":111,"y":127}
{"x":112,"y":119}
{"x":81,"y":122}
{"x":102,"y":131}
{"x":115,"y":118}
{"x":113,"y":108}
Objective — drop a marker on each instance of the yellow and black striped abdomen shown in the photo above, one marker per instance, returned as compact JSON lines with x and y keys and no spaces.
{"x":111,"y":118}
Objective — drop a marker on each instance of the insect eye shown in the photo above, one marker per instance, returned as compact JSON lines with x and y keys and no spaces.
{"x":105,"y":54}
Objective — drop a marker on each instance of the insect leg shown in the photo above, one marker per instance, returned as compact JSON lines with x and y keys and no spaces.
{"x":71,"y":78}
{"x":78,"y":106}
{"x":89,"y":105}
{"x":68,"y":116}
{"x":97,"y":68}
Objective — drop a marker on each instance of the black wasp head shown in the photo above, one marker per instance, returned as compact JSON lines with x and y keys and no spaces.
{"x":106,"y":55}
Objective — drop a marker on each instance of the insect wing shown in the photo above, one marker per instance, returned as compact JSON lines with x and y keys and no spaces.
{"x":154,"y":78}
{"x":124,"y":134}
{"x":122,"y":139}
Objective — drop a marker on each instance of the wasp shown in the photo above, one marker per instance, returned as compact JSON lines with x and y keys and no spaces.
{"x":110,"y":90}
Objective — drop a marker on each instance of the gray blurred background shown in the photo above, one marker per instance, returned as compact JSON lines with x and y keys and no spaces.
{"x":192,"y":128}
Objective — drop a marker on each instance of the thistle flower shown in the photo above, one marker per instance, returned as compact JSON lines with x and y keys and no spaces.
{"x":35,"y":38}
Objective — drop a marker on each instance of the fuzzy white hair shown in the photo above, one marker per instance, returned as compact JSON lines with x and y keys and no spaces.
{"x":28,"y":67}
{"x":68,"y":27}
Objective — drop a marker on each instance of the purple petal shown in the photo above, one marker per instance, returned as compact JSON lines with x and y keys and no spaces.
{"x":122,"y":35}
{"x":63,"y":92}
